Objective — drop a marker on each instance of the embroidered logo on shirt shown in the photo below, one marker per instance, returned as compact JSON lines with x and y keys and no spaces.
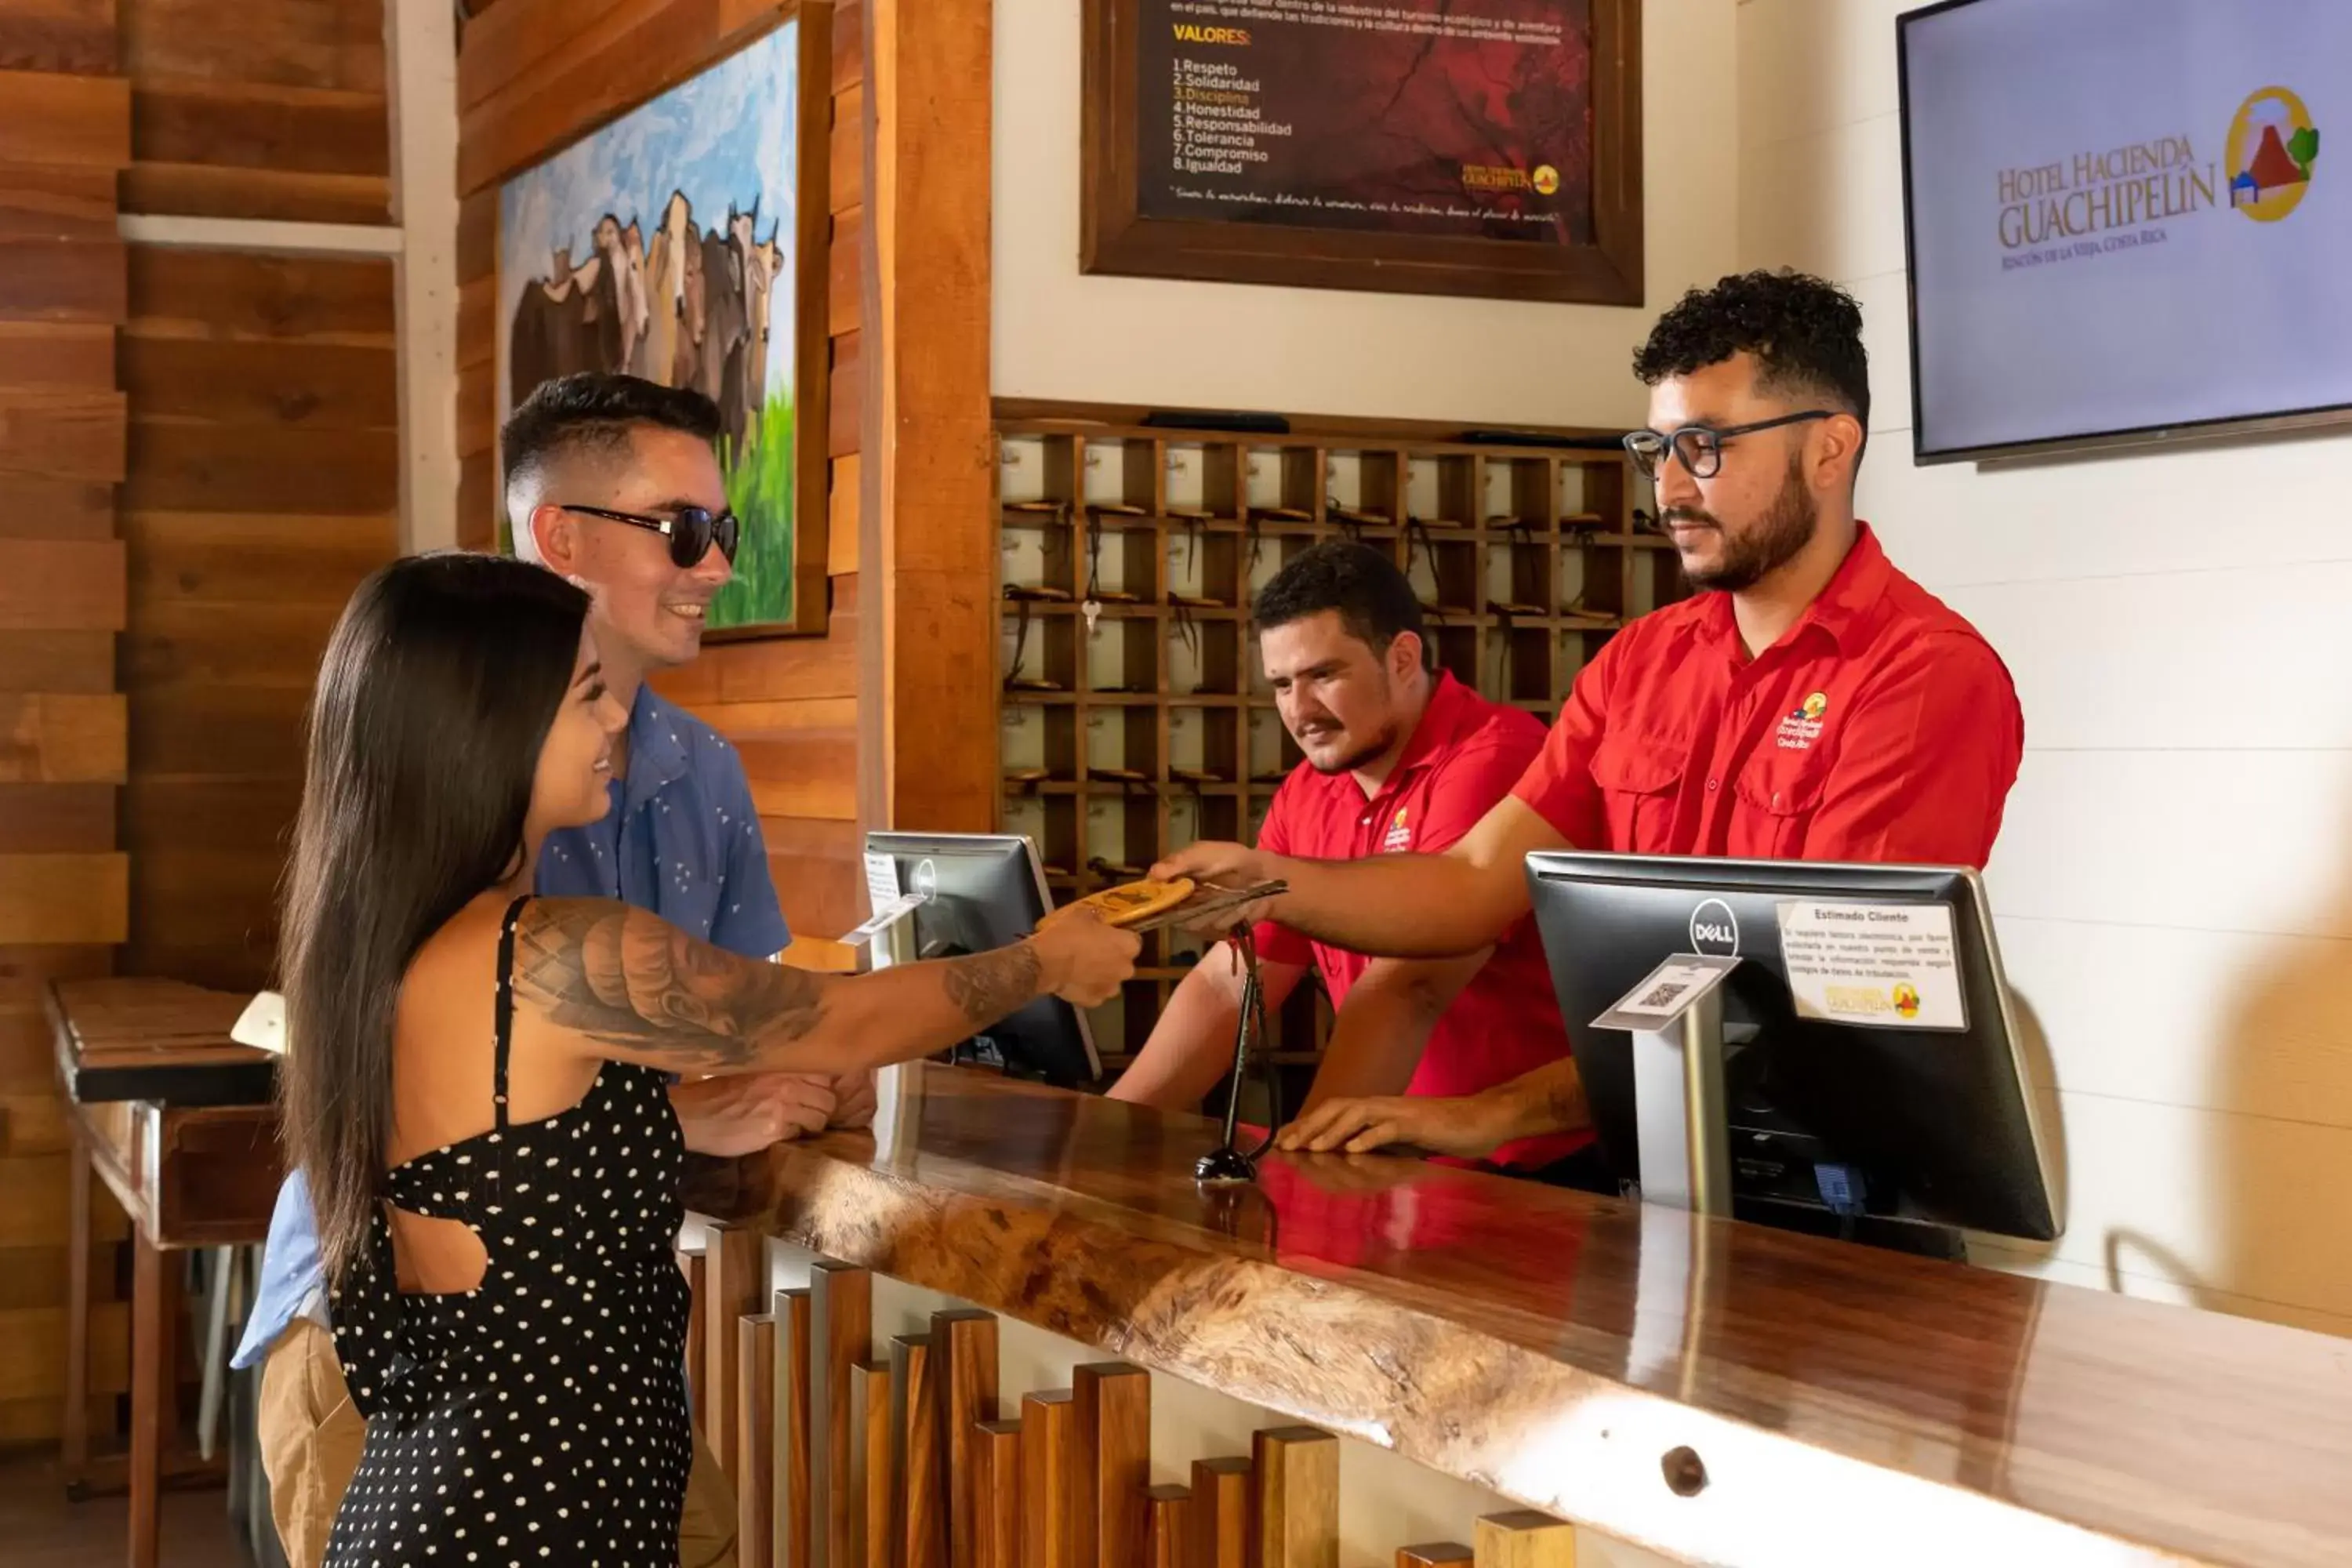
{"x":1800,"y":729}
{"x":1400,"y":835}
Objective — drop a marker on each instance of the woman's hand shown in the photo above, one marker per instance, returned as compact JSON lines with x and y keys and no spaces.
{"x":1083,"y":961}
{"x":744,"y":1113}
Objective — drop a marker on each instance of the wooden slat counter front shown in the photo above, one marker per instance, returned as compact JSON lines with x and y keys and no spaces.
{"x":1716,"y":1392}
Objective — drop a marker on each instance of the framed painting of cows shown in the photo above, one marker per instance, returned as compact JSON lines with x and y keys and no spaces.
{"x":684,"y":241}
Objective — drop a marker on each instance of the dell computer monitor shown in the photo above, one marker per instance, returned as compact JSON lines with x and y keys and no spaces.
{"x":1871,"y":1066}
{"x":984,"y":891}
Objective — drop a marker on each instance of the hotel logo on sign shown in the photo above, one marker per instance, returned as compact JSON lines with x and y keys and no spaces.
{"x":2107,"y":200}
{"x":2270,"y":153}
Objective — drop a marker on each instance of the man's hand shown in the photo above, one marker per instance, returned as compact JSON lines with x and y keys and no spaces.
{"x":1470,"y":1127}
{"x":744,"y":1113}
{"x":1212,"y":864}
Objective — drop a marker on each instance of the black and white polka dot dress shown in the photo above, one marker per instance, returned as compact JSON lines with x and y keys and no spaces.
{"x":540,"y":1417}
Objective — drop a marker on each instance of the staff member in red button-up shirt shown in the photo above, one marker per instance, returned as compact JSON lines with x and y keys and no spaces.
{"x":1398,"y":758}
{"x":1811,"y":702}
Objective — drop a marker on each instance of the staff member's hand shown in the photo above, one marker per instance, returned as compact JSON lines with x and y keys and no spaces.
{"x":1469,"y":1126}
{"x":744,"y":1113}
{"x":1085,"y":962}
{"x":1214,"y":864}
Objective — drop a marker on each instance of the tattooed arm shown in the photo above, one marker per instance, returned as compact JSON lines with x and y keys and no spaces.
{"x":629,"y":985}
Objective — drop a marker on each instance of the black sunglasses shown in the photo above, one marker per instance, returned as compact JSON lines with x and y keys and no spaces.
{"x":1700,"y":447}
{"x":692,"y":530}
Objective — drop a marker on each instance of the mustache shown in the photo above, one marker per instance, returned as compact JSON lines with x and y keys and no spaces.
{"x":1698,"y":516}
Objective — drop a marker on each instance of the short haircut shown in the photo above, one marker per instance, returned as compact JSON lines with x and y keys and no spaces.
{"x":1374,"y":600}
{"x":590,"y":413}
{"x":1805,"y":333}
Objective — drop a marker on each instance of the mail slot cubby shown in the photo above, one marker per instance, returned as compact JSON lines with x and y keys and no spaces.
{"x":1520,"y":573}
{"x":1122,"y":745}
{"x":1038,"y":647}
{"x":1122,"y":651}
{"x":1458,"y":649}
{"x":1526,"y":665}
{"x":1200,"y":565}
{"x":1039,"y":739}
{"x":1443,"y":571}
{"x":1153,"y":726}
{"x":1518,"y":493}
{"x":1272,"y":753}
{"x":1442,"y":490}
{"x":1119,"y":559}
{"x":1601,"y":574}
{"x":1204,"y":746}
{"x":1363,"y":490}
{"x":1282,"y":484}
{"x":1122,"y":834}
{"x":1203,"y":653}
{"x":1118,"y":474}
{"x":1040,"y":562}
{"x":1050,"y":822}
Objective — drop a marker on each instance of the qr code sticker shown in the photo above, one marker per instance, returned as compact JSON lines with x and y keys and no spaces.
{"x":1661,"y":998}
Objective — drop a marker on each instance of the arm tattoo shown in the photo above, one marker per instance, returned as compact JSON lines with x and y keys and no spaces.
{"x":994,"y":983}
{"x":625,"y":977}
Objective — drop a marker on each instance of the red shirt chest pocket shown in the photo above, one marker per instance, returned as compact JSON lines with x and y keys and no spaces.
{"x":1640,"y":783}
{"x":1778,"y":793}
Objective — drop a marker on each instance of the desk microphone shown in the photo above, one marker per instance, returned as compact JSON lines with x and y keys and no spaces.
{"x":1227,"y":1165}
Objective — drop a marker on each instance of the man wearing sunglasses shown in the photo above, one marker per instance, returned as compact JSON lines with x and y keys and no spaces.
{"x":1809,"y":703}
{"x":613,"y":482}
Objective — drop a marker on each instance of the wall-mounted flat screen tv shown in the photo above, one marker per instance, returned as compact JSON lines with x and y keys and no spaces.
{"x":2126,"y":220}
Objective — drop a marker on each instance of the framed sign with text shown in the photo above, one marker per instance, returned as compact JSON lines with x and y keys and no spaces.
{"x":1483,"y":147}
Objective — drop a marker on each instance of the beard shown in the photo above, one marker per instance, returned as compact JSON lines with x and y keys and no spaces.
{"x":1774,"y":540}
{"x":1368,"y":752}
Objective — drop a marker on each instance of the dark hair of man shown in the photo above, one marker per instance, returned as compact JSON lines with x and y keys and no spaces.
{"x":439,"y":656}
{"x":1804,"y":331}
{"x":596,"y":412}
{"x":1375,"y":603}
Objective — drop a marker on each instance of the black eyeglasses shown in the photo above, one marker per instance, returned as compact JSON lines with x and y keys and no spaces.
{"x":1700,"y":447}
{"x":691,"y":530}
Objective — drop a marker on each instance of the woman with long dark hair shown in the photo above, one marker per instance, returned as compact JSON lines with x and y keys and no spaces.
{"x":476,"y":1083}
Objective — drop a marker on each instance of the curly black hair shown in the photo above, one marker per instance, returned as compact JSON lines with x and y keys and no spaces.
{"x":1805,"y":333}
{"x":1376,"y":602}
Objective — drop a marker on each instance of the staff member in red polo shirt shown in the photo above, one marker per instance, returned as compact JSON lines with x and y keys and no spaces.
{"x":1811,"y":702}
{"x":1398,"y":758}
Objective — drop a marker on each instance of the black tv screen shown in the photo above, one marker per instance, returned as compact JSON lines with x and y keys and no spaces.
{"x":2126,"y":219}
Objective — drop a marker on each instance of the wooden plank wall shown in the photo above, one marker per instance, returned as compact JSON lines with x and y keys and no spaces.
{"x":65,"y":134}
{"x":257,"y":109}
{"x":532,"y":76}
{"x":264,"y":484}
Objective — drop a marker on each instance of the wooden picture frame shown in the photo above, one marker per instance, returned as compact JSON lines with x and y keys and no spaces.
{"x":1116,"y":238}
{"x":802,"y":563}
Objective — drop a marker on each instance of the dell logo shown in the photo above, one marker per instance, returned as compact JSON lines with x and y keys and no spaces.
{"x":926,"y":879}
{"x":1714,"y":930}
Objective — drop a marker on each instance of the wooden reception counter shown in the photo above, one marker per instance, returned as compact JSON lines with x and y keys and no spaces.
{"x":1715,"y":1392}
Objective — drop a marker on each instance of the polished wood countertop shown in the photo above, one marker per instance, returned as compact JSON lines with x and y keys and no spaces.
{"x":1716,"y":1391}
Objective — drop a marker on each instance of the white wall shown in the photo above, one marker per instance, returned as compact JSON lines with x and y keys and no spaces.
{"x":2174,"y":884}
{"x":1215,"y":345}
